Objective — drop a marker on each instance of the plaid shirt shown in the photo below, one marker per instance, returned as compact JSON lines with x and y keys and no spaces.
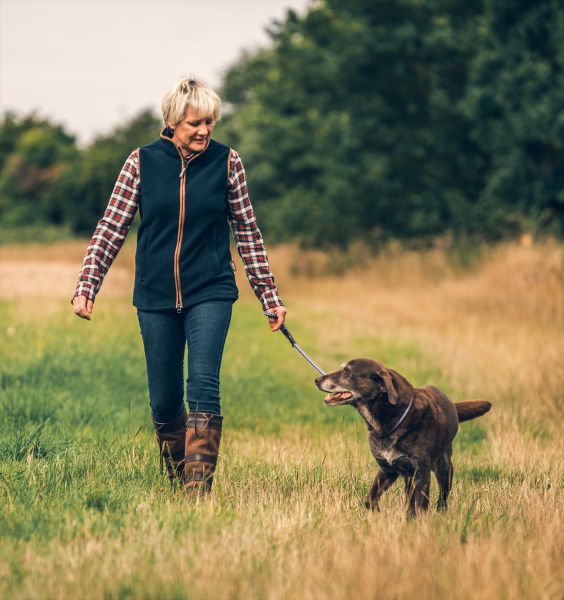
{"x":113,"y":227}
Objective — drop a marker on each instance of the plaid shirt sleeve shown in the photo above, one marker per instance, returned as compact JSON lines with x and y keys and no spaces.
{"x":248,"y":237}
{"x":111,"y":230}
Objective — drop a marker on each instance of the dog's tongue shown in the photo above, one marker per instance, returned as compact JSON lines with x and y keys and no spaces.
{"x":339,"y":396}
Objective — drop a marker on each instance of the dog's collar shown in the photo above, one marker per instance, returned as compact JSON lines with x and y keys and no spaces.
{"x":400,"y":420}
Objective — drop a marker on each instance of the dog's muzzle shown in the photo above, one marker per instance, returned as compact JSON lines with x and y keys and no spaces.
{"x":334,"y":397}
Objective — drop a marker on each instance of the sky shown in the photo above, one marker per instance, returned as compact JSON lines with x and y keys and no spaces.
{"x":91,"y":64}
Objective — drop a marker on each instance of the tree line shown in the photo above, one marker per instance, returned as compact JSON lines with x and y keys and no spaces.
{"x":370,"y":120}
{"x":46,"y":179}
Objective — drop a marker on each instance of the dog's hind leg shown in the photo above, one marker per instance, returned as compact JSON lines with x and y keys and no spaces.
{"x":417,"y":488}
{"x":444,"y":472}
{"x":382,"y":481}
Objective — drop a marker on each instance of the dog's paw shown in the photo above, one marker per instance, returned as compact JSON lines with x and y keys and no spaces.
{"x":370,"y":504}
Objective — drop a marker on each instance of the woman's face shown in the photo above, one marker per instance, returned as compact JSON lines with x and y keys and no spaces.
{"x":193,"y":132}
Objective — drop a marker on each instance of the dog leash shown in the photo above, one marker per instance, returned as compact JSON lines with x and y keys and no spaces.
{"x":292,"y":341}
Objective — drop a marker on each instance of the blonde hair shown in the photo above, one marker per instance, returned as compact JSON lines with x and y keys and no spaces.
{"x":192,"y":93}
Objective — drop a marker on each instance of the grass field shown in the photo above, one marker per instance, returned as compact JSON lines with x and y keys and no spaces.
{"x":84,"y":512}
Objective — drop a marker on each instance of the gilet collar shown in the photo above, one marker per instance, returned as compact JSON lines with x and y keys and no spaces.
{"x":171,"y":148}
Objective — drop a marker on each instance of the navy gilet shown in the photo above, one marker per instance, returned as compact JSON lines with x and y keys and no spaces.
{"x":183,"y":255}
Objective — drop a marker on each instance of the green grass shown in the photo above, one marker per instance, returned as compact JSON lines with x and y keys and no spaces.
{"x":84,"y":511}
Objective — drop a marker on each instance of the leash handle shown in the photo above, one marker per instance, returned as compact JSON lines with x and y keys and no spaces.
{"x":283,"y":328}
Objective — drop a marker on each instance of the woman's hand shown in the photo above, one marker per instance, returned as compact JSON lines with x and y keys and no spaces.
{"x":82,"y":307}
{"x":280,"y":312}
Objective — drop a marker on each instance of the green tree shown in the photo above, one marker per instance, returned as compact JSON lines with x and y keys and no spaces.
{"x":45,"y":178}
{"x":515,"y":103}
{"x":37,"y":157}
{"x":93,"y":180}
{"x":369,"y":119}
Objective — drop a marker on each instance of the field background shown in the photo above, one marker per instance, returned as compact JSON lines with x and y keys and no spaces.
{"x":85,"y":513}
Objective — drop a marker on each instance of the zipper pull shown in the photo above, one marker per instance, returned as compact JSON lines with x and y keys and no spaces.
{"x":179,"y":308}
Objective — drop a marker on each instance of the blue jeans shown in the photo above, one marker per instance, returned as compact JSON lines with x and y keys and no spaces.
{"x":165,"y":334}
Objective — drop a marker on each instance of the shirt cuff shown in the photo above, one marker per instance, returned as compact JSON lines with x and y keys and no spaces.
{"x":84,"y":288}
{"x":271,"y":299}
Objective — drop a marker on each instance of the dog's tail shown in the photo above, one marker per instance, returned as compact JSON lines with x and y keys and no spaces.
{"x":472,"y":409}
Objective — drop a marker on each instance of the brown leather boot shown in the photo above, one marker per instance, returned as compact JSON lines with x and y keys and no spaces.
{"x":171,"y":437}
{"x":203,"y":435}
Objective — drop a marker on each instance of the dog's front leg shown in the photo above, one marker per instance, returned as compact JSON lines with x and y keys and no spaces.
{"x":382,"y":481}
{"x":417,"y":488}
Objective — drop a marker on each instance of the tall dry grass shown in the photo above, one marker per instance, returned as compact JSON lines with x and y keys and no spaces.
{"x":496,"y":326}
{"x":94,"y":519}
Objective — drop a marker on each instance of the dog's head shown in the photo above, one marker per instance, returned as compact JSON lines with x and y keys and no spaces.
{"x":365,"y":380}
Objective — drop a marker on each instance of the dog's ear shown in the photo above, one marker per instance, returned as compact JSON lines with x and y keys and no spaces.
{"x":397,"y":387}
{"x":386,"y":376}
{"x":402,"y":388}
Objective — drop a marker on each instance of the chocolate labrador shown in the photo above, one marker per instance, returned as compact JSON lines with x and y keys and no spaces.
{"x":410,"y":430}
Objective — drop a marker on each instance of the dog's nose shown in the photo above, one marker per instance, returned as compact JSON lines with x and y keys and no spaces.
{"x":318,"y":380}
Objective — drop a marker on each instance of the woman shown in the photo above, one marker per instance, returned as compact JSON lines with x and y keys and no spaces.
{"x":189,"y":189}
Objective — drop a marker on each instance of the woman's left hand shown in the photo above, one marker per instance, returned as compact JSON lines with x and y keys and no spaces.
{"x":280,"y":312}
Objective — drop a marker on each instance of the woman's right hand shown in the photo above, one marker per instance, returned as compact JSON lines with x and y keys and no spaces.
{"x":82,"y":307}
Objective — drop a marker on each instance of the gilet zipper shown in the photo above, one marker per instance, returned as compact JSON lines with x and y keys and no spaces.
{"x":181,"y":219}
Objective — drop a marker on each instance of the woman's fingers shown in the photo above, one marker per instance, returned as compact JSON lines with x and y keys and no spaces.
{"x":82,"y":307}
{"x":78,"y":303}
{"x":280,"y":312}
